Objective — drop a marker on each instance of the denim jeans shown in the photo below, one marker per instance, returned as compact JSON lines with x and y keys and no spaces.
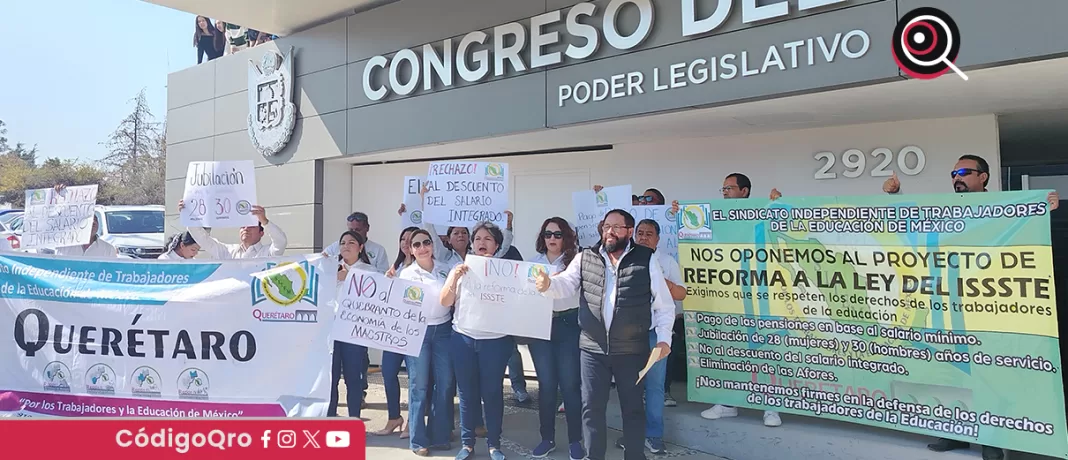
{"x":432,"y":369}
{"x":515,"y":371}
{"x":479,"y":366}
{"x":654,"y":395}
{"x":557,"y":363}
{"x":391,"y":364}
{"x":347,"y":360}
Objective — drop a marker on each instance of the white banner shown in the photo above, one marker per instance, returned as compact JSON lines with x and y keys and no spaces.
{"x":498,"y":295}
{"x":465,"y":193}
{"x":57,"y":219}
{"x":116,"y":338}
{"x":381,"y":313}
{"x":669,"y":232}
{"x":590,"y":208}
{"x":219,"y":194}
{"x":413,"y":208}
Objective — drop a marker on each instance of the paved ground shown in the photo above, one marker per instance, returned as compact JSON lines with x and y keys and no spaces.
{"x":688,"y":436}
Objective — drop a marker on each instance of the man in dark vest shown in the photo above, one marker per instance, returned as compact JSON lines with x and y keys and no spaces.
{"x":622,"y":295}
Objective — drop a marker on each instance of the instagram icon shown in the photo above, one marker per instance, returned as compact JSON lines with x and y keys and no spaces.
{"x":287,"y":439}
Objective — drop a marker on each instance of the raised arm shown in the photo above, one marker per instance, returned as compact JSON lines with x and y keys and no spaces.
{"x":440,"y":251}
{"x":278,"y":237}
{"x":279,"y":242}
{"x":213,"y":247}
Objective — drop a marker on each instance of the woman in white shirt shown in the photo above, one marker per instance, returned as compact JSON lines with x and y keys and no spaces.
{"x":434,"y":356}
{"x":349,"y":359}
{"x":557,"y":360}
{"x":479,"y":358}
{"x":391,"y":361}
{"x":182,"y":246}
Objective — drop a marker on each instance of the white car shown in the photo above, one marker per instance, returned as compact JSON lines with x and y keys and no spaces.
{"x":137,"y":232}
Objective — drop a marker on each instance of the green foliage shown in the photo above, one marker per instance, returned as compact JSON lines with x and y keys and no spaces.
{"x":131,"y":173}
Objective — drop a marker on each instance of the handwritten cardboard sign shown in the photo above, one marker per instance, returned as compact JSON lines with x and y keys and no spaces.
{"x":219,"y":194}
{"x":56,"y":219}
{"x":381,"y":313}
{"x":498,"y":295}
{"x":465,"y":193}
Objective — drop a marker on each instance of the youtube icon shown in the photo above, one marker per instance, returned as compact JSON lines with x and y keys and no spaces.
{"x":338,"y":439}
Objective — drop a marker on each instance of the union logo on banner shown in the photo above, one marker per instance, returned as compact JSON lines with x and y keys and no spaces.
{"x":283,"y":287}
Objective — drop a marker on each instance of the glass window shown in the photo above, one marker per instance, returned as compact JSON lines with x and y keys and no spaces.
{"x":135,"y":221}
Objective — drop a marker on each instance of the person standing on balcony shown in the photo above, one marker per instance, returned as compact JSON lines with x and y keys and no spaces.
{"x":204,"y":39}
{"x":236,"y":36}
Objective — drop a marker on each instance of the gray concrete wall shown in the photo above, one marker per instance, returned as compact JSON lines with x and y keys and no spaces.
{"x":207,"y":109}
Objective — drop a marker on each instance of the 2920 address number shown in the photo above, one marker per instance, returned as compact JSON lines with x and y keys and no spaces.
{"x":910,"y":161}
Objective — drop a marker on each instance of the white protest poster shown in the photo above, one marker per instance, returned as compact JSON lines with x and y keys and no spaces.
{"x":498,"y":295}
{"x":413,"y":208}
{"x":174,"y":339}
{"x":465,"y":193}
{"x":219,"y":194}
{"x":590,"y":208}
{"x":661,"y":214}
{"x":55,"y":219}
{"x":381,"y":313}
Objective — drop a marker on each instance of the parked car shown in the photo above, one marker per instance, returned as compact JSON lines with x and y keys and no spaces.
{"x":9,"y":240}
{"x":11,"y":218}
{"x":137,"y":232}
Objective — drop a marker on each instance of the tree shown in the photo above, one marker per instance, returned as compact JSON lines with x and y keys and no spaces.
{"x":29,"y":156}
{"x":136,"y":159}
{"x":17,"y":176}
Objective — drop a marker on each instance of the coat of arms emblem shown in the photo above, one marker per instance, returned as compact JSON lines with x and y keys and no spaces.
{"x":271,"y":112}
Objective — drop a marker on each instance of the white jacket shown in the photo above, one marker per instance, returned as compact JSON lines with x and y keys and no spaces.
{"x":219,"y":250}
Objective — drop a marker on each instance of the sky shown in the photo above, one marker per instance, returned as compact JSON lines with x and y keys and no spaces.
{"x":70,"y":68}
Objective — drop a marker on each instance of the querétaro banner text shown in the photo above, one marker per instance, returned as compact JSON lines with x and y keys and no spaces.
{"x":128,"y":338}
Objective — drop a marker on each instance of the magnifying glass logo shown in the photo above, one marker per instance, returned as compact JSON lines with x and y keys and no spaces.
{"x":926,"y":42}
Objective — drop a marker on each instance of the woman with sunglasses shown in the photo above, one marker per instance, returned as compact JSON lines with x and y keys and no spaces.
{"x":434,"y":356}
{"x":391,"y":361}
{"x":557,"y":360}
{"x":349,"y":359}
{"x":479,"y":358}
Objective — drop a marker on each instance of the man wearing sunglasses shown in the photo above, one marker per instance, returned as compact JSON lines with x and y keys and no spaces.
{"x":359,"y":223}
{"x":651,"y":197}
{"x":970,"y":174}
{"x":622,"y":295}
{"x":736,"y":186}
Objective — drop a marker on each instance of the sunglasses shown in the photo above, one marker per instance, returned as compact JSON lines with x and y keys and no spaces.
{"x":557,"y":234}
{"x":962,"y":172}
{"x":645,"y":199}
{"x":419,"y":244}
